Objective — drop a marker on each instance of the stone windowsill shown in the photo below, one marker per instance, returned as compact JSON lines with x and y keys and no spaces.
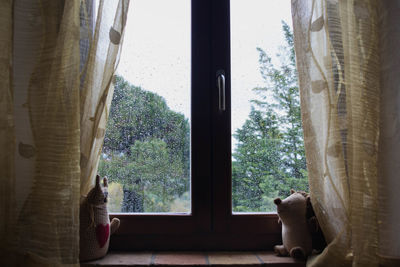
{"x":194,"y":259}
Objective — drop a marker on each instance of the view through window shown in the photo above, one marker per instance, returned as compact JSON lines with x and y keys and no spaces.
{"x":268,"y":156}
{"x":146,"y":152}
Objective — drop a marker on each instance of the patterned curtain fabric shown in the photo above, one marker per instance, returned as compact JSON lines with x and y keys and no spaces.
{"x":57,"y":63}
{"x":97,"y":83}
{"x":348,"y":63}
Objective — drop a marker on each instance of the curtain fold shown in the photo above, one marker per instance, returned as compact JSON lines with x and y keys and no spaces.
{"x":104,"y":50}
{"x":56,"y":87}
{"x":340,"y":59}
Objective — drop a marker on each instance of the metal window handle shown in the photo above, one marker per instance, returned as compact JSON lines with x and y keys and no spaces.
{"x":221,"y":90}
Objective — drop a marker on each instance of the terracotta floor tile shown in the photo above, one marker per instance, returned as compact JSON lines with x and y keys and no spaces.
{"x":117,"y":259}
{"x":123,"y":258}
{"x":223,"y":258}
{"x":269,"y":257}
{"x":180,"y":258}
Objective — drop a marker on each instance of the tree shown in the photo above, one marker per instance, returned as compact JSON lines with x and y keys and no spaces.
{"x":282,"y":84}
{"x":146,"y":149}
{"x":153,"y":176}
{"x":270,"y":158}
{"x":257,"y":161}
{"x":137,"y":114}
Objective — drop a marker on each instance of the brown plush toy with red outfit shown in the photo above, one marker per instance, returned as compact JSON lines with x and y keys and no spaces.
{"x":95,"y":226}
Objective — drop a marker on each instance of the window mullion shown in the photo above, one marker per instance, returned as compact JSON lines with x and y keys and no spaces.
{"x":201,"y":114}
{"x":221,"y":144}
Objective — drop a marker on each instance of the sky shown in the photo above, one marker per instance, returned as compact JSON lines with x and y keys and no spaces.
{"x":156,"y":49}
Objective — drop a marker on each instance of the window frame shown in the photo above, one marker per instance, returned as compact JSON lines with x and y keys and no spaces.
{"x":211,"y":224}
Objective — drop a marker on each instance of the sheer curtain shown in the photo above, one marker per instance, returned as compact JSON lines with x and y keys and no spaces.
{"x":56,"y":74}
{"x":348,"y":63}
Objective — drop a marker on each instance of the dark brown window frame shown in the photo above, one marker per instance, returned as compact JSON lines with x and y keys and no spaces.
{"x":211,"y":225}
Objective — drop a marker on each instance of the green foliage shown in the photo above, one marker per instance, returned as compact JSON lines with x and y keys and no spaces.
{"x":181,"y":204}
{"x":137,"y":114}
{"x":269,"y":159}
{"x":155,"y":174}
{"x":115,"y":197}
{"x":256,"y":160}
{"x":146,"y":149}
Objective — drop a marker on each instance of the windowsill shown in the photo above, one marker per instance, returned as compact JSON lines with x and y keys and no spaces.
{"x":267,"y":258}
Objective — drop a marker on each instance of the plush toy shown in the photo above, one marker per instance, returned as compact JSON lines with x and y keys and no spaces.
{"x":95,"y":227}
{"x":318,"y":239}
{"x":296,"y":236}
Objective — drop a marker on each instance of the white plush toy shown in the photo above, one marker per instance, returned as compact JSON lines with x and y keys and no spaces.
{"x":95,"y":226}
{"x":296,"y":236}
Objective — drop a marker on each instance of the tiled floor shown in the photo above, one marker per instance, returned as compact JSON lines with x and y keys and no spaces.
{"x":194,"y":259}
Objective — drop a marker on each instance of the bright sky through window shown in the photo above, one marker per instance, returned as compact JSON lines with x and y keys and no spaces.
{"x":146,"y":152}
{"x":142,"y":66}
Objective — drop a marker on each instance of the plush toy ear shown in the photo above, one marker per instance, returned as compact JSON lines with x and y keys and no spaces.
{"x":292,"y":191}
{"x":97,"y":181}
{"x":105,"y":188}
{"x":277,"y":201}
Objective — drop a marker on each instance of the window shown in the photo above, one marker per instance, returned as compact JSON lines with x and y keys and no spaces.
{"x":146,"y":152}
{"x":207,"y":220}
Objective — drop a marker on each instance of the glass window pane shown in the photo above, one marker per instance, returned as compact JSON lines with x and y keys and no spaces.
{"x":267,"y":141}
{"x":146,"y":153}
